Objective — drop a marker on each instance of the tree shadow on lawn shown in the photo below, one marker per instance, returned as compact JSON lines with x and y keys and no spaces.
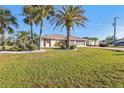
{"x":113,"y":50}
{"x":118,"y":51}
{"x":118,"y":54}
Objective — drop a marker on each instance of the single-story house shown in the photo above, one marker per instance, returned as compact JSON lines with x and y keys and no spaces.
{"x":56,"y":40}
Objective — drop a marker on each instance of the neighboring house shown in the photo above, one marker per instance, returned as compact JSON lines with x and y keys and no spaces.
{"x":56,"y":40}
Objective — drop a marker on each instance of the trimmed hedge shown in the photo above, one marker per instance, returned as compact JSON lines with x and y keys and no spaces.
{"x":73,"y":47}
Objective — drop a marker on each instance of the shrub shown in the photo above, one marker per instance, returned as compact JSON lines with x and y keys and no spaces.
{"x":20,"y":49}
{"x":8,"y":43}
{"x":73,"y":47}
{"x":17,"y":48}
{"x":24,"y":47}
{"x":63,"y":46}
{"x":32,"y":47}
{"x":13,"y":48}
{"x":57,"y":44}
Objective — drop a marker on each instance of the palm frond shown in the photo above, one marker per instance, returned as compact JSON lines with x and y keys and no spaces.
{"x":10,"y":30}
{"x":69,"y":16}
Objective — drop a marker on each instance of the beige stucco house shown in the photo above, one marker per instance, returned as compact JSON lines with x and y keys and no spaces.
{"x":56,"y":40}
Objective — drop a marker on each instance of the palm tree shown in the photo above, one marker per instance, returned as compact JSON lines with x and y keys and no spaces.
{"x":42,"y":12}
{"x":28,"y":12}
{"x":68,"y":17}
{"x":7,"y":20}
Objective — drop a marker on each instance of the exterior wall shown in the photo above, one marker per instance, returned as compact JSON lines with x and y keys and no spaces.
{"x":81,"y":43}
{"x":52,"y":43}
{"x":47,"y":43}
{"x":72,"y":42}
{"x":78,"y":43}
{"x":42,"y":43}
{"x":97,"y":42}
{"x":92,"y":42}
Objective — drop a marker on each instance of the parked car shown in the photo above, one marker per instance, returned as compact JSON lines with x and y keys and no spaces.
{"x":103,"y":45}
{"x":121,"y":43}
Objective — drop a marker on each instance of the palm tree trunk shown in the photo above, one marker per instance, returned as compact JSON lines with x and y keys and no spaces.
{"x":68,"y":38}
{"x":3,"y":41}
{"x":40,"y":35}
{"x":31,"y":26}
{"x":31,"y":31}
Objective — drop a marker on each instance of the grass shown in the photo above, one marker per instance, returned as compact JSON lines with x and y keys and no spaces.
{"x":86,"y":67}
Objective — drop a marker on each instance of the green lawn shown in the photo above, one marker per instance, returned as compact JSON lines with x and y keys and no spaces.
{"x":86,"y":67}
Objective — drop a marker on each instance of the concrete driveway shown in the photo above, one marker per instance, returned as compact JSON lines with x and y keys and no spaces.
{"x":116,"y":49}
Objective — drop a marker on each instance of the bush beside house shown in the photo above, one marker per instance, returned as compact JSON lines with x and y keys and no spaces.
{"x":73,"y":47}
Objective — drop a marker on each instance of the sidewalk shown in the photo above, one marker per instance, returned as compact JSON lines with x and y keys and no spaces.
{"x":116,"y":49}
{"x":109,"y":48}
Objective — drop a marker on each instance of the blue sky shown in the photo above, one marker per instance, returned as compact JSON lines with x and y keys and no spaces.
{"x":100,"y":19}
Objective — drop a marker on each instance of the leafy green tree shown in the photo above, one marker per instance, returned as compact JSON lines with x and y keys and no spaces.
{"x":10,"y":41}
{"x":23,"y":38}
{"x":68,"y":17}
{"x":7,"y":21}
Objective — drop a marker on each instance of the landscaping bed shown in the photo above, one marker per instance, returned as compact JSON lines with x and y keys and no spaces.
{"x":11,"y":52}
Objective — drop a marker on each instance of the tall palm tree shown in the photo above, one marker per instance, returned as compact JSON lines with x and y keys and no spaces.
{"x":28,"y":12}
{"x":68,"y":17}
{"x":42,"y":12}
{"x":7,"y":20}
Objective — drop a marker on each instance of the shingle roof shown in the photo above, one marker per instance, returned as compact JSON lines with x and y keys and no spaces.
{"x":62,"y":37}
